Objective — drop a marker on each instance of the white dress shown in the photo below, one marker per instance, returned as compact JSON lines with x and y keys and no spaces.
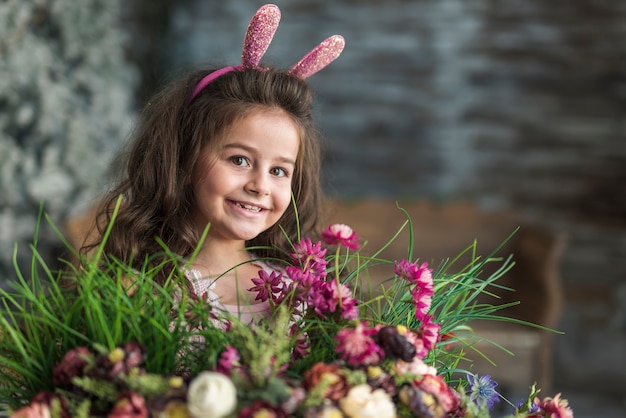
{"x":247,"y":312}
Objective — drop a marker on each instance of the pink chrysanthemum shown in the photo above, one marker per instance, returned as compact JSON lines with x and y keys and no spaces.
{"x":413,"y":272}
{"x":422,"y":279}
{"x":555,"y":407}
{"x":429,"y":332}
{"x":340,"y":234}
{"x":310,"y":257}
{"x":420,"y":349}
{"x":327,"y":298}
{"x":357,"y":347}
{"x":423,"y":301}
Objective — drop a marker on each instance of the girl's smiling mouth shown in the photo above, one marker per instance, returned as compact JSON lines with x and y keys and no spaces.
{"x":247,"y":206}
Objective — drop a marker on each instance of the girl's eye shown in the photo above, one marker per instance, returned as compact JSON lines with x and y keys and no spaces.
{"x":239,"y":161}
{"x":279,"y":172}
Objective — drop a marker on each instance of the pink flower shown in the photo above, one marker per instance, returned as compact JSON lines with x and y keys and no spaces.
{"x":413,"y":272}
{"x":42,"y":405}
{"x":429,"y":332}
{"x":228,"y":359}
{"x":33,"y":410}
{"x":72,"y":365}
{"x":266,"y":285}
{"x":357,"y":347}
{"x":436,"y":386}
{"x":339,"y":234}
{"x":422,"y":279}
{"x":310,"y":257}
{"x":129,"y":405}
{"x":327,"y":298}
{"x":555,"y":407}
{"x":342,"y":298}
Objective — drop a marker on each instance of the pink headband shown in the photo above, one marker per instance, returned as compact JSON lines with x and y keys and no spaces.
{"x":260,"y":32}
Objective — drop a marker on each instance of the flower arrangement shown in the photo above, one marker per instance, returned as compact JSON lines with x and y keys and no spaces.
{"x":332,"y":348}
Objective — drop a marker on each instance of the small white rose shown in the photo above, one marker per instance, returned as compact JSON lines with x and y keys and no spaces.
{"x":211,"y":395}
{"x":416,"y":367}
{"x":362,"y":402}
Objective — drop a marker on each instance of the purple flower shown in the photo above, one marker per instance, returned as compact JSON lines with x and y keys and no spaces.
{"x":266,"y":285}
{"x":483,"y":390}
{"x":339,"y":234}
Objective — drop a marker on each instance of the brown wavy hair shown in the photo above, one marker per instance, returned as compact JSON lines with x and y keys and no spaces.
{"x":155,"y":186}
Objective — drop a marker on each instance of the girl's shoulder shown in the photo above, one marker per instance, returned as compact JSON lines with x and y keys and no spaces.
{"x":267,"y":265}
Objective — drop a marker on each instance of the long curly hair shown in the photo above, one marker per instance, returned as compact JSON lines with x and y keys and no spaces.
{"x":155,"y":185}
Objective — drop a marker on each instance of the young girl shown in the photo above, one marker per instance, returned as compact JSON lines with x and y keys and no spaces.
{"x":226,"y":150}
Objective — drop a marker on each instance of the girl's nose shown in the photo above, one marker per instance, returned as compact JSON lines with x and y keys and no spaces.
{"x":258,"y":184}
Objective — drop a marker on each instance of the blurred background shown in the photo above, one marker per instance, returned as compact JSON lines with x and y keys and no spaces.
{"x":479,"y":116}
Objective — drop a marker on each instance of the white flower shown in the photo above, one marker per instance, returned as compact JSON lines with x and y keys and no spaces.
{"x":211,"y":395}
{"x":416,"y":367}
{"x":362,"y":402}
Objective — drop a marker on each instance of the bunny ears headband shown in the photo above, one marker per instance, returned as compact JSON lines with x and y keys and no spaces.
{"x":260,"y":32}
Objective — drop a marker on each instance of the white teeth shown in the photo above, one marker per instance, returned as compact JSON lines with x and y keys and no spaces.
{"x":249,"y":207}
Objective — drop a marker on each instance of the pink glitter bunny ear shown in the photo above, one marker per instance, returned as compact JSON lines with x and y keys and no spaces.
{"x":260,"y":32}
{"x":319,"y":57}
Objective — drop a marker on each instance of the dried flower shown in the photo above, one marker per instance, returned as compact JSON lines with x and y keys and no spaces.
{"x":42,"y":405}
{"x":340,"y":234}
{"x":421,"y":403}
{"x":33,"y":410}
{"x":396,"y":346}
{"x":436,"y":386}
{"x":72,"y":365}
{"x":416,"y":367}
{"x":357,"y":346}
{"x":262,"y":409}
{"x":129,"y":405}
{"x":329,"y":376}
{"x":323,"y":411}
{"x":363,"y":402}
{"x":211,"y":395}
{"x":555,"y":407}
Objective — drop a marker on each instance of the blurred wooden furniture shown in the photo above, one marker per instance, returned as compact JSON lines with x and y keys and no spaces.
{"x":442,"y":232}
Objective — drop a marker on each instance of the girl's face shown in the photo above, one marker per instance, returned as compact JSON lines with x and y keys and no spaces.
{"x":243,"y":186}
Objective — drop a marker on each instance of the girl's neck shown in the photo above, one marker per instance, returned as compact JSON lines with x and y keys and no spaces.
{"x":219,"y":257}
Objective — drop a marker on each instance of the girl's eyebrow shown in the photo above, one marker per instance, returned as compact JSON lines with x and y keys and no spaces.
{"x":252,"y":150}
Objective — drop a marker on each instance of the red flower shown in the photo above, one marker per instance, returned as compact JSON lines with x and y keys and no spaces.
{"x":339,"y":234}
{"x":72,"y":365}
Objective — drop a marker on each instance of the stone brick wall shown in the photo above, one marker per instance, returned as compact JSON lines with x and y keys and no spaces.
{"x":511,"y":103}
